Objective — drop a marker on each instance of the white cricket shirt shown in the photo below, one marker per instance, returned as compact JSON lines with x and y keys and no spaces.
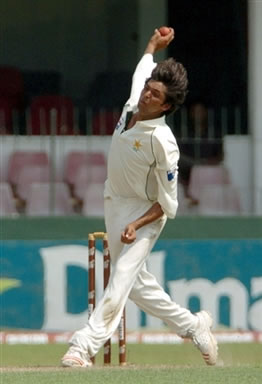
{"x":143,"y":160}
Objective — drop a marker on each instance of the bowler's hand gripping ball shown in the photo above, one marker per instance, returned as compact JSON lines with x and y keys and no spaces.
{"x":164,"y":31}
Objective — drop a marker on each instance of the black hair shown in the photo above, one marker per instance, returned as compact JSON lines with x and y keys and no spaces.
{"x":174,"y":76}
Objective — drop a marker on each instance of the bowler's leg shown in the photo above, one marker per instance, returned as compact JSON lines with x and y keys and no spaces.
{"x":150,"y":297}
{"x":105,"y":319}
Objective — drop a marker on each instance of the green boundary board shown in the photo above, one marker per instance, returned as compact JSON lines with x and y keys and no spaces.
{"x":61,"y":228}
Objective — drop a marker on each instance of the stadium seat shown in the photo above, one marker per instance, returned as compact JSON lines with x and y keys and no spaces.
{"x":87,"y":175}
{"x":75,"y":160}
{"x":7,"y":202}
{"x":104,"y":122}
{"x":7,"y":110}
{"x":202,"y":175}
{"x":49,"y":199}
{"x":12,"y":85}
{"x":28,"y":175}
{"x":93,"y":204}
{"x":46,"y":109}
{"x":11,"y":98}
{"x":21,"y":159}
{"x":219,"y":200}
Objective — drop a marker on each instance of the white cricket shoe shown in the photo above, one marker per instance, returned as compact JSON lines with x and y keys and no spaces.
{"x":203,"y":338}
{"x":75,"y":359}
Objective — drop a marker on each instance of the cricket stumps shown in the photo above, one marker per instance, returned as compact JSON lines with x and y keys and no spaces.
{"x":92,"y":238}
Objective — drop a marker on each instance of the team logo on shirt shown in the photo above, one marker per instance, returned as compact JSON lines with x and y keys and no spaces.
{"x":137,"y":145}
{"x":171,"y":174}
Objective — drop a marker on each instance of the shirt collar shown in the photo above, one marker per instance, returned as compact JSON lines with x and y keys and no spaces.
{"x":153,"y":122}
{"x":147,"y":123}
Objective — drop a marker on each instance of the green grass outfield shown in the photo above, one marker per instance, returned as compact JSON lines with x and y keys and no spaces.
{"x":147,"y":364}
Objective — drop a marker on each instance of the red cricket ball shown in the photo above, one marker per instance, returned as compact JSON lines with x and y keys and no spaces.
{"x":164,"y":31}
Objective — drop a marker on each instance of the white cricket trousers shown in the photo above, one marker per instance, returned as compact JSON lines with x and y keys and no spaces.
{"x":130,"y":279}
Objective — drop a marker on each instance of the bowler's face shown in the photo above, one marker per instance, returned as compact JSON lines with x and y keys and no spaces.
{"x":152,"y":101}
